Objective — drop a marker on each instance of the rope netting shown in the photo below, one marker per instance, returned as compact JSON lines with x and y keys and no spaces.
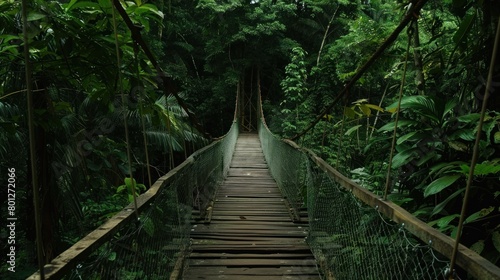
{"x":354,"y":241}
{"x":154,"y":246}
{"x":349,"y":239}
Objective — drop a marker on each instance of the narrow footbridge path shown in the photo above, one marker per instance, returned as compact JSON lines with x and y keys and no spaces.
{"x":221,"y":215}
{"x":250,"y":233}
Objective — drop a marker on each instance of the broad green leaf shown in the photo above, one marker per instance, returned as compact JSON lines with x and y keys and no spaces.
{"x":482,"y":169}
{"x":488,"y":128}
{"x":495,"y":237}
{"x":479,"y":214}
{"x":445,"y":221}
{"x":69,"y":5}
{"x":366,"y":111}
{"x":7,"y":38}
{"x":464,"y":28}
{"x":112,"y":256}
{"x":352,"y":129}
{"x":401,"y":123}
{"x":426,"y":157}
{"x":478,"y":247}
{"x":422,"y":211}
{"x":423,"y":104}
{"x":374,"y":107}
{"x":105,"y":4}
{"x":12,"y":49}
{"x":465,"y":134}
{"x":449,"y":106}
{"x":402,"y":158}
{"x":440,"y":184}
{"x":497,"y":137}
{"x":149,"y":8}
{"x":445,"y":202}
{"x":446,"y":167}
{"x":405,"y":137}
{"x":360,"y":101}
{"x":131,"y":185}
{"x":458,"y":146}
{"x":86,"y":5}
{"x":121,"y":188}
{"x":469,"y":118}
{"x":149,"y":227}
{"x":350,"y":113}
{"x":35,"y":16}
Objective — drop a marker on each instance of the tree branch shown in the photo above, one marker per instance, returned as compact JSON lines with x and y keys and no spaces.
{"x":167,"y":81}
{"x":408,"y":17}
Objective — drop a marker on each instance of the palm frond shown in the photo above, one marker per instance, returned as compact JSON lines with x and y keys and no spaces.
{"x":164,"y":140}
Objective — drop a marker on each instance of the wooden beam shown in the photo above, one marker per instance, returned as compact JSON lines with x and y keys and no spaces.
{"x":68,"y":259}
{"x":469,"y":260}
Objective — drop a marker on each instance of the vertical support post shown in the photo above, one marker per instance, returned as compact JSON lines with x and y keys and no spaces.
{"x":31,"y":130}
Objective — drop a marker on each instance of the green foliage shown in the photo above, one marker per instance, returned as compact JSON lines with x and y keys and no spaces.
{"x":79,"y":115}
{"x":294,"y":86}
{"x":131,"y":189}
{"x":206,"y":47}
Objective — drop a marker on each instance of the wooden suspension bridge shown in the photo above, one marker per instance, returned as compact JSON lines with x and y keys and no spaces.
{"x":249,"y":233}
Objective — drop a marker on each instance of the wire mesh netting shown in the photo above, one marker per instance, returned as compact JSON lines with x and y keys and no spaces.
{"x":354,"y":241}
{"x":349,"y":239}
{"x":154,"y":245}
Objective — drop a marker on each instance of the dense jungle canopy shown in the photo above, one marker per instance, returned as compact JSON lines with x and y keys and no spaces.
{"x":135,"y":90}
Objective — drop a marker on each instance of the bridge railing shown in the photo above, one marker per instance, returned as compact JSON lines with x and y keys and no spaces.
{"x":355,"y":234}
{"x":150,"y":242}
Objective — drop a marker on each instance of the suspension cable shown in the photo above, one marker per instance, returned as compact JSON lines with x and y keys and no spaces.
{"x":31,"y":129}
{"x":475,"y":153}
{"x":341,"y":133}
{"x":124,"y":107}
{"x":398,"y":110}
{"x":141,"y":112}
{"x":169,"y":131}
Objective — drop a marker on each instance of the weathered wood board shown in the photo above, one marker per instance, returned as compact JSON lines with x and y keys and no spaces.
{"x":251,"y":234}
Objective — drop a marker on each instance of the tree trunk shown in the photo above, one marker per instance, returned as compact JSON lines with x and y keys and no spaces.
{"x":42,"y":103}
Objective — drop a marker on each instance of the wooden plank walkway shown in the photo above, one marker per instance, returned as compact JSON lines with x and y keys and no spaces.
{"x":251,"y":234}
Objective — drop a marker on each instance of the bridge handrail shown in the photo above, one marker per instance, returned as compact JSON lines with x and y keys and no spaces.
{"x":70,"y":258}
{"x":467,"y":259}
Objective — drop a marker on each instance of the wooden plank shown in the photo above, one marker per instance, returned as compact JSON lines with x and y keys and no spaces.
{"x":250,"y":256}
{"x":250,"y":212}
{"x":222,"y":270}
{"x":252,"y":262}
{"x":251,"y":204}
{"x":234,"y":248}
{"x":247,"y":218}
{"x":252,"y":277}
{"x":250,"y":227}
{"x":261,"y":200}
{"x":254,"y":233}
{"x":254,"y":222}
{"x":251,"y":234}
{"x":251,"y":240}
{"x":233,"y":180}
